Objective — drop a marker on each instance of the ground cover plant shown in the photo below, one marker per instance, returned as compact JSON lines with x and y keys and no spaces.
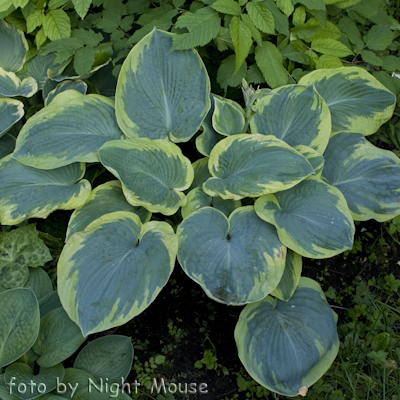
{"x":272,"y":178}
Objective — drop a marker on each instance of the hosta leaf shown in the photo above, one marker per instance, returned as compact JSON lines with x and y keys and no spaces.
{"x":19,"y":249}
{"x":154,"y":173}
{"x":76,"y":380}
{"x":32,"y":193}
{"x":228,"y":117}
{"x":288,"y":346}
{"x":261,"y":17}
{"x":209,"y":138}
{"x":253,"y":165}
{"x":71,"y":120}
{"x":58,"y":339}
{"x":13,"y":47}
{"x":57,"y":25}
{"x":11,"y":111}
{"x":19,"y":323}
{"x":237,"y":260}
{"x":162,"y":93}
{"x":298,"y":115}
{"x":201,"y":173}
{"x":115,"y":261}
{"x":5,"y":391}
{"x":105,"y":199}
{"x":368,"y":177}
{"x":227,"y":7}
{"x":79,"y":86}
{"x":11,"y":85}
{"x":330,"y":47}
{"x":40,"y":283}
{"x":312,"y":156}
{"x":269,"y":60}
{"x":7,"y":144}
{"x":108,"y":357}
{"x":97,"y":393}
{"x":49,"y":303}
{"x":196,"y":199}
{"x":290,"y":278}
{"x":36,"y":385}
{"x":312,"y":218}
{"x":241,"y":39}
{"x":356,"y":100}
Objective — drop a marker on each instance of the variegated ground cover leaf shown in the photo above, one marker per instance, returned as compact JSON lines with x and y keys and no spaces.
{"x":43,"y":382}
{"x":161,"y":93}
{"x":71,"y":121}
{"x":201,"y":172}
{"x":317,"y":161}
{"x":290,"y":278}
{"x":196,"y":199}
{"x":311,"y":218}
{"x":236,"y":260}
{"x":368,"y":177}
{"x":27,"y":192}
{"x":109,"y":358}
{"x":19,"y":323}
{"x":79,"y":86}
{"x":11,"y":111}
{"x":154,"y":173}
{"x":12,"y":86}
{"x":253,"y":165}
{"x":13,"y":47}
{"x":7,"y":144}
{"x":115,"y":261}
{"x":297,"y":114}
{"x":105,"y":199}
{"x":288,"y":346}
{"x":357,"y":101}
{"x":210,"y":137}
{"x":58,"y":338}
{"x":19,"y":249}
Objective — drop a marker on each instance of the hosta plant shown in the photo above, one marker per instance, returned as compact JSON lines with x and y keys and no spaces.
{"x":283,"y":177}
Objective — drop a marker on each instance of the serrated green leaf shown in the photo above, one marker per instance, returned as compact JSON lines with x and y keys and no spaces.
{"x":290,"y":52}
{"x":371,"y":58}
{"x":242,"y":40}
{"x":329,"y":31}
{"x":223,"y":39}
{"x":57,"y":25}
{"x":347,"y":26}
{"x":227,"y":76}
{"x":203,"y":26}
{"x":254,"y":75}
{"x":312,"y":4}
{"x":87,"y":37}
{"x":299,"y":16}
{"x":281,"y":20}
{"x":54,"y":4}
{"x":84,"y":60}
{"x":391,"y":63}
{"x":109,"y":21}
{"x":40,"y":37}
{"x":178,"y":3}
{"x":261,"y":17}
{"x":326,"y":61}
{"x":34,"y":20}
{"x":157,"y":13}
{"x":230,"y":7}
{"x":269,"y":60}
{"x":286,"y":6}
{"x":308,"y":30}
{"x":255,"y":33}
{"x":330,"y":47}
{"x":378,"y":37}
{"x":81,"y":7}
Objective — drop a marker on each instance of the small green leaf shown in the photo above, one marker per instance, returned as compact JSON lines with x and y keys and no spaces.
{"x":84,"y":60}
{"x":286,"y":6}
{"x":371,"y":58}
{"x":378,"y":37}
{"x":34,"y":20}
{"x":227,"y":76}
{"x":230,"y":7}
{"x":331,"y":47}
{"x":57,"y":25}
{"x":81,"y":7}
{"x":299,"y":16}
{"x":261,"y":17}
{"x":326,"y":61}
{"x":242,"y":40}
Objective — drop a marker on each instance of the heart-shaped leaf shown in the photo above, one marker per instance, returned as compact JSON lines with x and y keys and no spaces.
{"x":59,"y":338}
{"x":228,"y":117}
{"x":40,"y":283}
{"x":108,"y":357}
{"x":161,"y":93}
{"x":12,"y":86}
{"x":79,"y":86}
{"x":28,"y":192}
{"x":288,"y":346}
{"x":154,"y":173}
{"x":49,"y":303}
{"x":19,"y":323}
{"x":201,"y":173}
{"x":11,"y":111}
{"x":7,"y":144}
{"x":298,"y":115}
{"x":253,"y":165}
{"x":237,"y":260}
{"x":71,"y":121}
{"x":75,"y":380}
{"x":357,"y":101}
{"x":312,"y":218}
{"x":368,"y":177}
{"x":115,"y":261}
{"x":105,"y":199}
